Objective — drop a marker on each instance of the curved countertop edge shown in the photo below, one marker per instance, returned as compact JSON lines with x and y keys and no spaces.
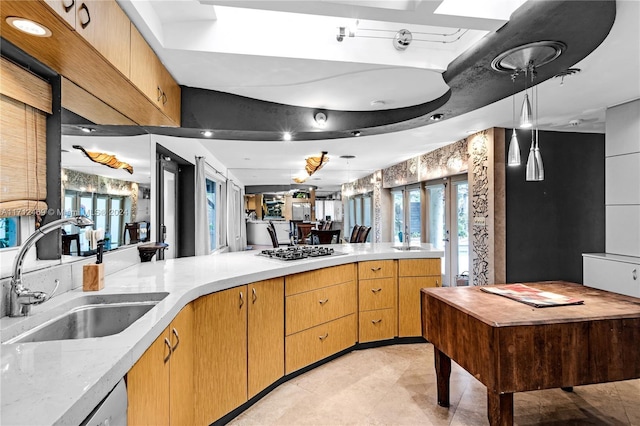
{"x":67,"y":379}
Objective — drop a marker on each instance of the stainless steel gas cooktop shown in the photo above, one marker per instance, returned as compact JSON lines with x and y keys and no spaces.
{"x":298,"y":252}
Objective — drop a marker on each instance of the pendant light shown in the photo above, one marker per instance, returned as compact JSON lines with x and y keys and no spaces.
{"x":513,"y":157}
{"x":526,"y":121}
{"x":535,"y":167}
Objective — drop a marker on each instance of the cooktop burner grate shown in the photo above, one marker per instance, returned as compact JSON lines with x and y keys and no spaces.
{"x":298,"y":252}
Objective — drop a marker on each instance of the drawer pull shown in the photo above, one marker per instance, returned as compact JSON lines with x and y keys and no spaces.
{"x":376,"y":269}
{"x":255,"y":295}
{"x":323,"y":301}
{"x":376,"y":290}
{"x":160,"y":93}
{"x":175,"y":333}
{"x":68,"y":5}
{"x":323,"y":337}
{"x":83,"y":14}
{"x":634,"y":274}
{"x":241,"y":300}
{"x":437,"y":285}
{"x":376,"y":321}
{"x":168,"y":343}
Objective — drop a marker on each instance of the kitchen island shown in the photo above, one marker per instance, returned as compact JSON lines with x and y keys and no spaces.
{"x":60,"y":382}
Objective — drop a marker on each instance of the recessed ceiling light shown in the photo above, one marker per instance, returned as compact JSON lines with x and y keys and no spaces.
{"x":207,"y":133}
{"x":356,"y":133}
{"x":378,"y":102}
{"x":86,"y":129}
{"x":436,"y":117}
{"x":28,"y":26}
{"x":286,"y":136}
{"x":471,"y":132}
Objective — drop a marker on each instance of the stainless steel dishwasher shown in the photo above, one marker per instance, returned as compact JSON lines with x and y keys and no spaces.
{"x":112,"y":411}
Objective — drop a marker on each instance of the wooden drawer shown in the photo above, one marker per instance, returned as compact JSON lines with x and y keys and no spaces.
{"x":377,"y":325}
{"x":418,"y":267}
{"x":377,"y":294}
{"x":376,"y":269}
{"x":309,"y":309}
{"x":312,"y":280}
{"x":319,"y":342}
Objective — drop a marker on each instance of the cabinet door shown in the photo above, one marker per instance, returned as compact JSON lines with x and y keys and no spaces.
{"x":171,"y":92}
{"x":148,"y":385}
{"x":66,"y":9}
{"x":108,"y":29}
{"x":265,"y":334}
{"x":144,"y":67}
{"x":181,"y":375}
{"x":220,"y":356}
{"x":409,"y":322}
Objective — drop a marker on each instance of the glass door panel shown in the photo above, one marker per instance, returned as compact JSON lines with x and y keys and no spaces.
{"x":437,"y":223}
{"x":398,"y":216}
{"x":116,"y":222}
{"x":461,"y":193}
{"x":415,"y":213}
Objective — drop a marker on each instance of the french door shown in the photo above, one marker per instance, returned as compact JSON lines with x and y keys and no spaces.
{"x":407,"y":214}
{"x":447,"y":225}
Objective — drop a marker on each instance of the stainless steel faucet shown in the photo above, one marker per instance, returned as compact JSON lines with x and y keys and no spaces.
{"x":21,"y":298}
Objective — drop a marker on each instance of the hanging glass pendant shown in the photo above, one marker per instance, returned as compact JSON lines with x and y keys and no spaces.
{"x":526,"y":120}
{"x":513,"y":157}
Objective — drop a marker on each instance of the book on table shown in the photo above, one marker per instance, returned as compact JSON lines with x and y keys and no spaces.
{"x":531,"y":296}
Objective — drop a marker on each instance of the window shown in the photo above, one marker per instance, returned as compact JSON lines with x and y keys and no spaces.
{"x":360,"y":212}
{"x":407,"y":214}
{"x":9,"y":231}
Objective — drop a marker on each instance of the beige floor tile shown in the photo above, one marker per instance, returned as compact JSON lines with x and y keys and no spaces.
{"x":396,"y":385}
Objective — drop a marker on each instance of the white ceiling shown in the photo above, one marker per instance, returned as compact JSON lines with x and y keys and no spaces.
{"x":287,"y":52}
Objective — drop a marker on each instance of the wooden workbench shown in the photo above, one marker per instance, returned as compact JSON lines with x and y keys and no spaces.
{"x":513,"y":347}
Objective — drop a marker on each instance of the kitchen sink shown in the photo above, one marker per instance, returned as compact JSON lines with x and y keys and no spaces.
{"x":97,"y":316}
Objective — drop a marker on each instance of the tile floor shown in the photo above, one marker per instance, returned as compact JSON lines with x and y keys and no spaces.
{"x":395,"y":385}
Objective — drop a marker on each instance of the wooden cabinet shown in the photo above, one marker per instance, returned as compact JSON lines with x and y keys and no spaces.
{"x":414,"y":274}
{"x":265,"y":334}
{"x":160,"y":385}
{"x":108,"y":29}
{"x":66,"y":9}
{"x":320,"y":314}
{"x":152,"y":78}
{"x":220,"y":363}
{"x":377,"y":296}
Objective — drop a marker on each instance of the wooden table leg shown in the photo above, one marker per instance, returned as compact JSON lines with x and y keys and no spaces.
{"x":500,"y":408}
{"x":443,"y":373}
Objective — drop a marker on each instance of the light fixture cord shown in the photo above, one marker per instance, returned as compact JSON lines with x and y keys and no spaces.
{"x":513,"y":109}
{"x":536,"y":103}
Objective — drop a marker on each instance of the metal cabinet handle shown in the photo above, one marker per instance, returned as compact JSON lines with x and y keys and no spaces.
{"x":323,"y":301}
{"x":68,"y":5}
{"x":168,"y":343}
{"x":175,"y":333}
{"x":376,"y":321}
{"x":375,"y":290}
{"x":83,"y":12}
{"x":255,"y":295}
{"x":160,"y":93}
{"x":164,"y":98}
{"x":323,"y":337}
{"x":634,"y":274}
{"x":437,"y":285}
{"x":376,"y":269}
{"x":241,"y":300}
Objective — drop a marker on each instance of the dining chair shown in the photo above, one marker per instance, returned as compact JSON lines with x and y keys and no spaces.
{"x":363,"y":234}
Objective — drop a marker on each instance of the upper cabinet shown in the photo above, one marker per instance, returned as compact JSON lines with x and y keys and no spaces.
{"x":108,"y":29}
{"x":152,"y":78}
{"x":66,"y":9}
{"x":91,"y":45}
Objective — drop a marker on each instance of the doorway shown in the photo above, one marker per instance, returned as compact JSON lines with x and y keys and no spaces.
{"x":447,"y":222}
{"x":167,"y":232}
{"x":407,"y":214}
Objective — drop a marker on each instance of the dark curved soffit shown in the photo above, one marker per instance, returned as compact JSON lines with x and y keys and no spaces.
{"x":581,"y":25}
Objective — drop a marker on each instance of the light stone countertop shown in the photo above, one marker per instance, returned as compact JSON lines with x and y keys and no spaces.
{"x":60,"y":382}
